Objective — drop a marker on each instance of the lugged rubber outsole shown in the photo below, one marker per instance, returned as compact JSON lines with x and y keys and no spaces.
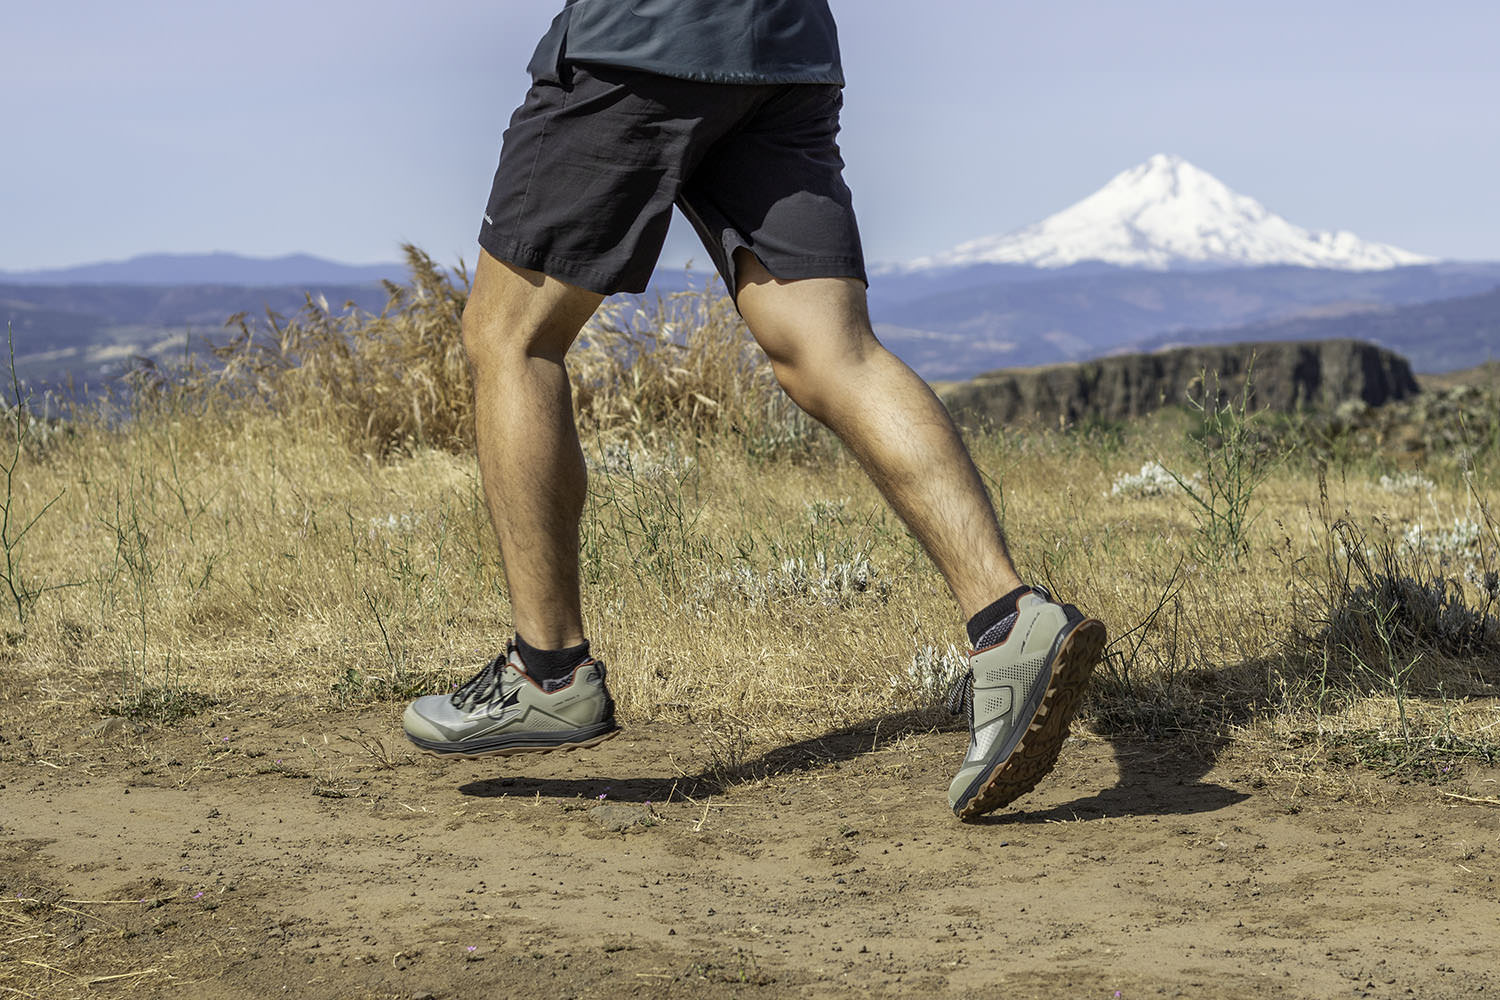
{"x":1036,"y":753}
{"x":592,"y":741}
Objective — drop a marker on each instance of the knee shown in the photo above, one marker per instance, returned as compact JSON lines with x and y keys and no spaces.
{"x":482,"y":338}
{"x":801,"y":384}
{"x":497,"y":342}
{"x":817,"y":380}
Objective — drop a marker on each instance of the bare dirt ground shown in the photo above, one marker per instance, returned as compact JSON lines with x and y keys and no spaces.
{"x":238,"y":856}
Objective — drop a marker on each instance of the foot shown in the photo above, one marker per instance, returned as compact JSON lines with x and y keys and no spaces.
{"x":502,"y":711}
{"x":1020,"y":694}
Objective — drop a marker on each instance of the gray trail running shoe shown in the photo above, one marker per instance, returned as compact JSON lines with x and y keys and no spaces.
{"x":502,"y":711}
{"x":1020,"y":693}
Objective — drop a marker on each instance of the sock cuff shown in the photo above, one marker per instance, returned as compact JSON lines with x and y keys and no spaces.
{"x":550,"y":664}
{"x":993,"y":614}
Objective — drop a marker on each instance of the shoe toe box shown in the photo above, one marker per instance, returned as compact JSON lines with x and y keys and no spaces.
{"x":425,"y":718}
{"x":957,"y":791}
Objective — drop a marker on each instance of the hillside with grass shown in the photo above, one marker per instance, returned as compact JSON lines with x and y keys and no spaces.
{"x":241,"y":570}
{"x":310,"y":495}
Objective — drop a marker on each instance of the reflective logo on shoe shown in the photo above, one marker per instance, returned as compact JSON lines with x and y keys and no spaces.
{"x":511,"y":699}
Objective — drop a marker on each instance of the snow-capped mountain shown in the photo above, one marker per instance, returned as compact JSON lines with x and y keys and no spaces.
{"x":1166,"y":213}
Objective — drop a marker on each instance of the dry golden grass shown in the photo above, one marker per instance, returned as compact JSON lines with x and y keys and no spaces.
{"x":681,"y":365}
{"x":278,"y":539}
{"x":379,"y":383}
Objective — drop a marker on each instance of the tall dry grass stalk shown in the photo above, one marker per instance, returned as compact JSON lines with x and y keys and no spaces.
{"x":380,"y":383}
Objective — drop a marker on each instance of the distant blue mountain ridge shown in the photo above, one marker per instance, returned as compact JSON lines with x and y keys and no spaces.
{"x":210,"y":269}
{"x":86,"y":324}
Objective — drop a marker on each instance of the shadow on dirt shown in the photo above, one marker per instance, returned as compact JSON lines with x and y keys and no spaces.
{"x":806,"y":755}
{"x":1157,"y":777}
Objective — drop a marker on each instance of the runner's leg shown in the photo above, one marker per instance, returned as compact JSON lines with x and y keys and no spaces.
{"x":517,"y":327}
{"x":818,"y":336}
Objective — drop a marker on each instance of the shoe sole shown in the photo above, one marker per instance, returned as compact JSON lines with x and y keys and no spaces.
{"x":448,"y":751}
{"x":1036,"y":753}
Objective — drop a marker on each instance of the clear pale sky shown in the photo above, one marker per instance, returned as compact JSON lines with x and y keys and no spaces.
{"x":343,"y":128}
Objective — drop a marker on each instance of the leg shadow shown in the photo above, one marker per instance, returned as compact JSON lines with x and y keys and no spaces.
{"x":1157,"y":778}
{"x":820,"y":751}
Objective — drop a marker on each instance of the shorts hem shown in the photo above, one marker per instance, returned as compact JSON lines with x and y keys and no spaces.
{"x":573,"y":272}
{"x":789,"y":268}
{"x":799,"y":268}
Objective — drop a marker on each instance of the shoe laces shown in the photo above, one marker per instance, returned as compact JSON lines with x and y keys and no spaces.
{"x":961,"y":694}
{"x":483,"y":686}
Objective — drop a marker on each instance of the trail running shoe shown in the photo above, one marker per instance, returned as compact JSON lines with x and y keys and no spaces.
{"x":1020,"y":693}
{"x":502,"y":711}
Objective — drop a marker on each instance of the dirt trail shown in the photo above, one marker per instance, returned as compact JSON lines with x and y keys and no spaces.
{"x":248,"y":859}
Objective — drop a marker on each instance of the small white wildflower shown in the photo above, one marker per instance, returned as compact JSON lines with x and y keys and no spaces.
{"x":931,"y":672}
{"x":1455,"y":549}
{"x":1152,"y":481}
{"x":825,"y":581}
{"x":1457,"y":543}
{"x":394,"y":523}
{"x":1407,"y":482}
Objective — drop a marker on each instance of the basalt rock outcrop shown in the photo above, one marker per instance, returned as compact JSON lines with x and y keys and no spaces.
{"x":1285,"y":377}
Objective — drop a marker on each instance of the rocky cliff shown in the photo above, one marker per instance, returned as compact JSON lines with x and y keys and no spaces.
{"x":1286,"y":376}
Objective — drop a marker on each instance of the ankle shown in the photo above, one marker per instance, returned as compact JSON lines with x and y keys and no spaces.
{"x":550,"y":664}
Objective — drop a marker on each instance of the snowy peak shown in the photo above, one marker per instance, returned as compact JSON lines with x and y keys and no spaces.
{"x":1166,"y":213}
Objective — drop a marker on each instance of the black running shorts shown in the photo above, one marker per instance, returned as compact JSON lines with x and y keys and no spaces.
{"x":596,"y":156}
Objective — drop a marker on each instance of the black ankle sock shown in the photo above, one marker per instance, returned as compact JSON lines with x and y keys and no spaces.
{"x":551,"y":664}
{"x":995,"y":613}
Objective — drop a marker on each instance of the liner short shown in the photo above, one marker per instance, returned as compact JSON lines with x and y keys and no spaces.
{"x":596,"y":156}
